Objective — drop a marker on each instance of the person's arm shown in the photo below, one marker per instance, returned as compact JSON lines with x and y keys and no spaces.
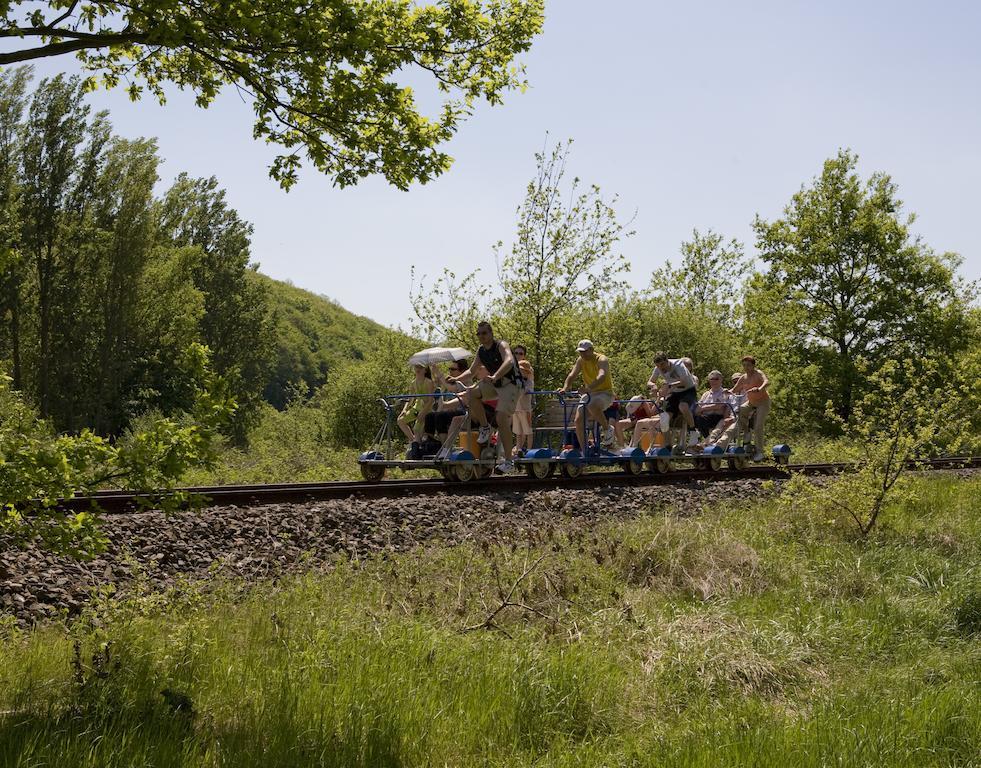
{"x":572,"y":375}
{"x":652,"y":381}
{"x":470,"y":371}
{"x":602,"y":369}
{"x":427,"y":402}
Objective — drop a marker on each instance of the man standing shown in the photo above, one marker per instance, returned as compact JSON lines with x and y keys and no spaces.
{"x":596,"y":391}
{"x":679,"y":388}
{"x":503,"y":384}
{"x":753,"y":384}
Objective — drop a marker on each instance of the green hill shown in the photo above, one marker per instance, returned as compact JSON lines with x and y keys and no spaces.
{"x":313,"y":335}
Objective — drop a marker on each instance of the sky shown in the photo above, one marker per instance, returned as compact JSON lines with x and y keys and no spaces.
{"x":696,"y":115}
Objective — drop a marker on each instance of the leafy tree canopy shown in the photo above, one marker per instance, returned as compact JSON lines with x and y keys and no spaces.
{"x":846,"y":283}
{"x":323,"y":74}
{"x":709,"y":279}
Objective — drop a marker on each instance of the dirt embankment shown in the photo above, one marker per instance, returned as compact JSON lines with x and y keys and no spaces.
{"x":258,"y":542}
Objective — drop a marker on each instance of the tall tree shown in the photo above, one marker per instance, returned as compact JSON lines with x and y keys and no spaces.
{"x":237,"y":323}
{"x":126,"y":213}
{"x":845,"y":282}
{"x":708,"y":280}
{"x":54,"y":132}
{"x":323,"y":74}
{"x":563,"y":253}
{"x":13,"y":102}
{"x":563,"y":262}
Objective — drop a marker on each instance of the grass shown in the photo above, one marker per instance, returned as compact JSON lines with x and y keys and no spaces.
{"x":753,"y":634}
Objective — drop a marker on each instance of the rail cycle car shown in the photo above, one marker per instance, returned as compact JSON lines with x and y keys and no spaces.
{"x":459,"y":463}
{"x":469,"y":460}
{"x":667,"y":456}
{"x":571,"y":459}
{"x":660,"y":457}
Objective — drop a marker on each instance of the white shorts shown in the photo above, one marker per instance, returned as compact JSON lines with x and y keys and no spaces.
{"x":602,"y":399}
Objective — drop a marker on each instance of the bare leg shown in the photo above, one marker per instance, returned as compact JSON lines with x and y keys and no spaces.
{"x":455,"y":426}
{"x":641,"y":428}
{"x":504,"y":433}
{"x":619,"y":426}
{"x":406,"y":429}
{"x":581,"y":428}
{"x":477,"y":408}
{"x":686,"y":412}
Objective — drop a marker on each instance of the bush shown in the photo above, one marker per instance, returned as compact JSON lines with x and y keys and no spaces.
{"x":350,"y":398}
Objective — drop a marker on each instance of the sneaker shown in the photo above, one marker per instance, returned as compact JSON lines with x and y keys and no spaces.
{"x":413,"y":453}
{"x":678,"y":450}
{"x":758,"y":456}
{"x":608,"y":436}
{"x":506,"y":467}
{"x":483,"y":435}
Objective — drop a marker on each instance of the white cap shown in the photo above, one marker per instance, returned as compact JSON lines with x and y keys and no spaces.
{"x":584,"y":345}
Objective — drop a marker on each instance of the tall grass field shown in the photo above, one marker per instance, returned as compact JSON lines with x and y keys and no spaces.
{"x":753,"y":634}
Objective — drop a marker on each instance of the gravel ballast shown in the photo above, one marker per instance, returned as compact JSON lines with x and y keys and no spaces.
{"x":252,"y":543}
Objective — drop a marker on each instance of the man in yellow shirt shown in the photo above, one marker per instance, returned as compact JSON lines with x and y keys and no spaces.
{"x":597,"y":389}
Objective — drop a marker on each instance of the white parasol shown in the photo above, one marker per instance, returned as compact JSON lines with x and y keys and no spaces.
{"x":439,"y":355}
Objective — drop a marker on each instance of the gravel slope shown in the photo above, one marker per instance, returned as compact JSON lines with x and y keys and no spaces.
{"x":257,"y":542}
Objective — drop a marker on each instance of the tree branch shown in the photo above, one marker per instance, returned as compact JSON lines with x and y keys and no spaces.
{"x":57,"y":49}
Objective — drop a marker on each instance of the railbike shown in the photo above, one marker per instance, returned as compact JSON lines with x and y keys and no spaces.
{"x":459,"y":457}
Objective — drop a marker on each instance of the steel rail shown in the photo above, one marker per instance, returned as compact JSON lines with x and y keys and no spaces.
{"x":113,"y":501}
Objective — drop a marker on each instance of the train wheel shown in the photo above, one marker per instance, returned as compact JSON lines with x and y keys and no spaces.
{"x":489,"y":454}
{"x":715,"y":464}
{"x":539,"y":470}
{"x":571,"y":471}
{"x":372,"y":472}
{"x":446,"y":471}
{"x":633,"y":467}
{"x":739,"y":461}
{"x":463,"y":473}
{"x":782,"y":458}
{"x":660,"y":466}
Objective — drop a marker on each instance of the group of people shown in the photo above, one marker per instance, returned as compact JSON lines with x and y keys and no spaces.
{"x":718,"y":417}
{"x":494,"y":391}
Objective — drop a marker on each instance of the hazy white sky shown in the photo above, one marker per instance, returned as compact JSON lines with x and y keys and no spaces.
{"x":695,"y":114}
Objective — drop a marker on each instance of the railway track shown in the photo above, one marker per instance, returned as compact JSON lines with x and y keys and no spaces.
{"x":116,"y":502}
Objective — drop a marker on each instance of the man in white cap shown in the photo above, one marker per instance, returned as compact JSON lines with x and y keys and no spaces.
{"x":596,"y":391}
